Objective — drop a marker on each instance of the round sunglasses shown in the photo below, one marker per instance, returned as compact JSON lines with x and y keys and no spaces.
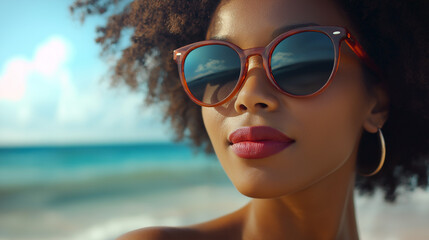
{"x":299,"y":63}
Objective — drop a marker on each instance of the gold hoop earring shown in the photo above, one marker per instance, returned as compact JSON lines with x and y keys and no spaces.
{"x":382,"y":157}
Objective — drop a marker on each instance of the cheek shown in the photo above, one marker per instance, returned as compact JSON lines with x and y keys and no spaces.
{"x":215,"y":127}
{"x":217,"y":123}
{"x":331,"y":124}
{"x":327,"y":140}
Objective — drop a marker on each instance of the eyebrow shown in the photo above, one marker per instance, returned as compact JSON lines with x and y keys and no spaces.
{"x":276,"y":32}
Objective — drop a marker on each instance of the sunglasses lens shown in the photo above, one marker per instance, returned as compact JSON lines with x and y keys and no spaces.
{"x":211,"y":72}
{"x":302,"y":63}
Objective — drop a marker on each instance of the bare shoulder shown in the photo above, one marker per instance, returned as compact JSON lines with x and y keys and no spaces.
{"x":225,"y":227}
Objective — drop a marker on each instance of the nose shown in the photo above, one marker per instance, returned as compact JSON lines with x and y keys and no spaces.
{"x":257,"y":92}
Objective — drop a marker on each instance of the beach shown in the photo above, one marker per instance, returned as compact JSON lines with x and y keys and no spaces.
{"x":101,"y":192}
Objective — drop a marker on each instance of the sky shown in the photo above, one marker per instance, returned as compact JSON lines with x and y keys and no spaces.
{"x":52,"y":90}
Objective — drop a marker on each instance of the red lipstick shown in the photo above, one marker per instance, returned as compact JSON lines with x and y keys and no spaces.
{"x":258,"y":142}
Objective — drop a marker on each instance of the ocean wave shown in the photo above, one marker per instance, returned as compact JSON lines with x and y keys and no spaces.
{"x":109,"y":184}
{"x":22,"y":168}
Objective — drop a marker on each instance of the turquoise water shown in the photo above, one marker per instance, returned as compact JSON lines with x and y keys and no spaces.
{"x":29,"y":165}
{"x":45,"y":176}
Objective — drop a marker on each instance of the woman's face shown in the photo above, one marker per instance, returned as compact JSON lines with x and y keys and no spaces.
{"x":325,"y":128}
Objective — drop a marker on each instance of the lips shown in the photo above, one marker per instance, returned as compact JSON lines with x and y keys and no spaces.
{"x":258,"y":142}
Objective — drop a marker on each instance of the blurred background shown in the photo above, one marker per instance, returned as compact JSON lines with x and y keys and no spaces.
{"x":81,"y":160}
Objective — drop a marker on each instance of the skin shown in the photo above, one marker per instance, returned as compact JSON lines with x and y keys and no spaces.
{"x":306,"y":190}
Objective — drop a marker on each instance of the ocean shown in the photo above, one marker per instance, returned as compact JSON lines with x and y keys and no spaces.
{"x":100,"y":192}
{"x":23,"y":166}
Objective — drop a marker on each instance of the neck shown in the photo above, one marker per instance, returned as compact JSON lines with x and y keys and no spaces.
{"x":325,"y":210}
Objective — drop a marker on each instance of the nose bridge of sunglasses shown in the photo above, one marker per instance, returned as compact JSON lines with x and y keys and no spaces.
{"x":250,"y":56}
{"x":255,"y":61}
{"x":253,"y":52}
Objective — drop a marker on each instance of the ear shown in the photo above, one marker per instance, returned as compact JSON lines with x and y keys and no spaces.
{"x":378,"y":109}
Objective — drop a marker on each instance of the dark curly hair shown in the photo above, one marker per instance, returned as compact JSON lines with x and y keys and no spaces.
{"x":394,"y":33}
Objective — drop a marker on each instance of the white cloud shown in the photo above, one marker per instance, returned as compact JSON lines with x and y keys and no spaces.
{"x":214,"y":65}
{"x":13,"y":79}
{"x":43,"y":101}
{"x":281,"y":58}
{"x":48,"y":60}
{"x":51,"y":55}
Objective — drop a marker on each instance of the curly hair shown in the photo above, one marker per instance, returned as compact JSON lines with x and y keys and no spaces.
{"x":394,"y":33}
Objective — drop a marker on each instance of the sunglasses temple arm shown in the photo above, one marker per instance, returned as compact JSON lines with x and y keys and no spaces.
{"x":358,"y":50}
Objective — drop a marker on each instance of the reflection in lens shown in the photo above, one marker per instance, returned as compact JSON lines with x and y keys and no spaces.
{"x":302,"y":63}
{"x":211,"y":72}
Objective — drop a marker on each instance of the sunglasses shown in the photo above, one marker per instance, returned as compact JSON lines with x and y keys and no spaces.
{"x":299,"y":63}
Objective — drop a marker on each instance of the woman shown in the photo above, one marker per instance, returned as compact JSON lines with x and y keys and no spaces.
{"x":295,"y":119}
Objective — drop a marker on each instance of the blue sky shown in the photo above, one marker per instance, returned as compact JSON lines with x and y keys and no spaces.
{"x":51,"y":88}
